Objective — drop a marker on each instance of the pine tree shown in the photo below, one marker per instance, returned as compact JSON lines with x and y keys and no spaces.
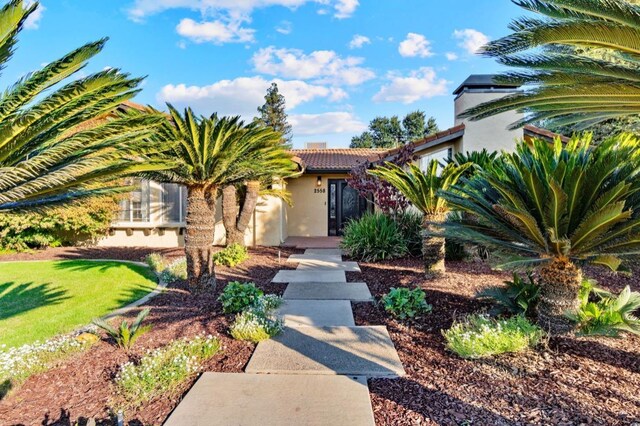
{"x":272,"y":113}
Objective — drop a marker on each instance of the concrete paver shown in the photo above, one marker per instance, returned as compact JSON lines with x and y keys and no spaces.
{"x":319,"y":313}
{"x":323,"y":265}
{"x":295,"y":258}
{"x":357,"y":292}
{"x":326,"y":252}
{"x":295,"y":276}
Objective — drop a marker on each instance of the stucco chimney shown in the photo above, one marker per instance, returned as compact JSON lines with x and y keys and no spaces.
{"x":315,"y":145}
{"x":492,"y":132}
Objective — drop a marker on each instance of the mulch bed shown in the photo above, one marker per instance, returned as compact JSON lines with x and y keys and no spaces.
{"x":571,"y":381}
{"x":81,"y":387}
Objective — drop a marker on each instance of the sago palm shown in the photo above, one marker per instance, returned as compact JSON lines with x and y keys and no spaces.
{"x":555,"y":207}
{"x":58,"y":144}
{"x":210,"y":153}
{"x":422,"y":190}
{"x":272,"y":162}
{"x":580,"y":62}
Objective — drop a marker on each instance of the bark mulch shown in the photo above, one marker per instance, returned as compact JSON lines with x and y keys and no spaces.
{"x":81,"y":387}
{"x":569,"y":381}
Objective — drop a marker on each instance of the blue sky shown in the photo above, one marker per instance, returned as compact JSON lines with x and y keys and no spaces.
{"x":339,"y":63}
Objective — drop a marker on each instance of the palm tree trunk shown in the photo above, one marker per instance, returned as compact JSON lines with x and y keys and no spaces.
{"x":433,"y":250}
{"x":235,"y":220}
{"x":198,"y":241}
{"x":560,"y":283}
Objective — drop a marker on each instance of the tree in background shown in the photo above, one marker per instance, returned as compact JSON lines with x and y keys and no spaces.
{"x":390,"y":132}
{"x":600,"y":131}
{"x":378,"y":191}
{"x":273,"y":114}
{"x":56,"y":144}
{"x":580,"y":63}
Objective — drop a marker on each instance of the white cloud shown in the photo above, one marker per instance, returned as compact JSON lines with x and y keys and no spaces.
{"x":419,"y":84}
{"x":451,"y":56}
{"x":144,"y":8}
{"x":241,"y":96}
{"x":215,"y":31}
{"x":33,"y":21}
{"x":324,"y":66}
{"x":471,"y":40}
{"x":358,"y":41}
{"x":326,"y":123}
{"x":415,"y":45}
{"x":285,"y":27}
{"x":345,"y":8}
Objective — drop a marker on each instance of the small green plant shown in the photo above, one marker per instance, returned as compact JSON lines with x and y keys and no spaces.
{"x":608,"y":315}
{"x":255,"y":325}
{"x":410,"y":224}
{"x":156,"y":262}
{"x":238,"y":296}
{"x":161,"y":371}
{"x":126,"y":334}
{"x":480,"y":336}
{"x":518,"y":296}
{"x":268,"y":302}
{"x":405,"y":303}
{"x":231,"y":256}
{"x":373,"y":237}
{"x":168,"y":272}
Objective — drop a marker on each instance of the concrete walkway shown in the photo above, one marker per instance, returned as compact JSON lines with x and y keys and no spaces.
{"x":315,"y":372}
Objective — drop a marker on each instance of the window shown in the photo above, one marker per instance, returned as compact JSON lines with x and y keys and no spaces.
{"x":443,"y":156}
{"x":174,"y":203}
{"x":136,"y":206}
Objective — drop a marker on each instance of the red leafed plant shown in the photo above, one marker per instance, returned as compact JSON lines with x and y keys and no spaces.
{"x":384,"y":195}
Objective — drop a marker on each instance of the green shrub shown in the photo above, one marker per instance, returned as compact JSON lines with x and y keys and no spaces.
{"x":404,"y":303}
{"x":518,"y":296}
{"x":231,"y":256}
{"x":480,"y":336}
{"x":126,"y":334}
{"x":374,"y":237}
{"x":238,"y":296}
{"x":255,"y":325}
{"x":161,"y":372}
{"x":410,"y":224}
{"x":78,"y":222}
{"x":156,"y":262}
{"x":168,"y":272}
{"x":268,"y":302}
{"x":608,"y":315}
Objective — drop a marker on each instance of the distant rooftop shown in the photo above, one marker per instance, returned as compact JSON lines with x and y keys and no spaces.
{"x":482,"y":81}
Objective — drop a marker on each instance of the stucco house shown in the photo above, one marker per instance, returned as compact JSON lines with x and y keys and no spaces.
{"x":154,"y":215}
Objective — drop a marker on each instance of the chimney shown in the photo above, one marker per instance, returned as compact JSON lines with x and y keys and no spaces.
{"x":491,"y":132}
{"x":315,"y":145}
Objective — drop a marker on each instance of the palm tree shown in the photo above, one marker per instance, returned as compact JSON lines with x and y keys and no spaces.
{"x":210,"y":154}
{"x":265,"y":177}
{"x":581,"y":63}
{"x":57,"y":145}
{"x":555,"y":206}
{"x":422,"y":190}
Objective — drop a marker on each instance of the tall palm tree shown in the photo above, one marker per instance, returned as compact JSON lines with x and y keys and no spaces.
{"x":422,"y":190}
{"x":554,"y":207}
{"x":210,"y":153}
{"x":265,"y":177}
{"x":56,"y":145}
{"x":581,"y":62}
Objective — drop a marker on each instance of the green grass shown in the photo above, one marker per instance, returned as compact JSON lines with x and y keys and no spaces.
{"x":39,"y":300}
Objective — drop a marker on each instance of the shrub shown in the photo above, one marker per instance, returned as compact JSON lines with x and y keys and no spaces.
{"x":404,"y":303}
{"x":156,"y":262}
{"x":268,"y":302}
{"x":479,"y":336}
{"x":71,"y":224}
{"x":126,"y":334}
{"x":161,"y":371}
{"x":518,"y":296}
{"x":374,"y":237}
{"x":609,"y":315}
{"x":255,"y":325}
{"x":168,"y":272}
{"x":410,"y":224}
{"x":231,"y":256}
{"x":18,"y":364}
{"x":238,"y":296}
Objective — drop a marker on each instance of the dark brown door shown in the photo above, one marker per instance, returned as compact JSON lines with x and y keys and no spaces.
{"x":345,"y":204}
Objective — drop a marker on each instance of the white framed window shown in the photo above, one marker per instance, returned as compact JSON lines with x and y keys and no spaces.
{"x":174,"y":203}
{"x":136,"y":206}
{"x":443,"y":156}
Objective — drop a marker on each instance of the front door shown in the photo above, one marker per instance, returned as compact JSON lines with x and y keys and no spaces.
{"x":344,"y":204}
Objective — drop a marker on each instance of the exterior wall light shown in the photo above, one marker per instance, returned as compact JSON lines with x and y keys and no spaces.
{"x":319,"y":181}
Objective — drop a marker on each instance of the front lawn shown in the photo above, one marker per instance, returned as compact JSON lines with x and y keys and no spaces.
{"x":39,"y":300}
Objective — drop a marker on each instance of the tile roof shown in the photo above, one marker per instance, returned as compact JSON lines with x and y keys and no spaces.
{"x":335,"y":159}
{"x":434,"y":139}
{"x":534,"y":131}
